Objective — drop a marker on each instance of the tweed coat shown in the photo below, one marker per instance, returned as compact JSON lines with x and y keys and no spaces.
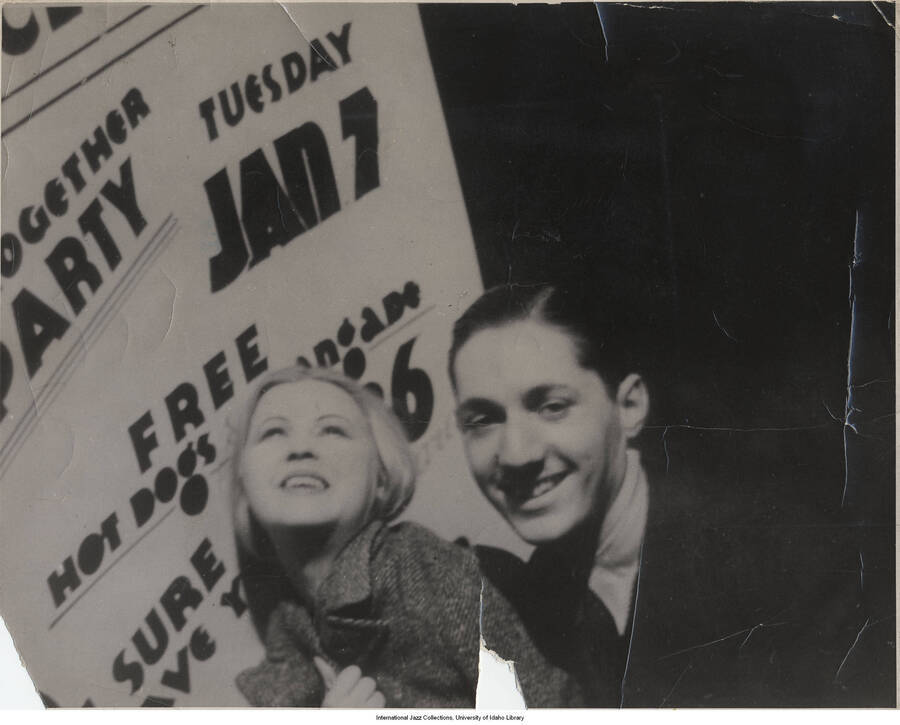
{"x":409,"y":609}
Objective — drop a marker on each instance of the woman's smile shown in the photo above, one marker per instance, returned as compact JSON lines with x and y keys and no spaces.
{"x":304,"y":482}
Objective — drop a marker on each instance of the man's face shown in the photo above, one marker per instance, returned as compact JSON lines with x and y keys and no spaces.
{"x":542,"y":436}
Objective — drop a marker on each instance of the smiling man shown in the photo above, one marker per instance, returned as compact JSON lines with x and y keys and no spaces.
{"x":642,"y":584}
{"x":546,"y":415}
{"x":545,"y":437}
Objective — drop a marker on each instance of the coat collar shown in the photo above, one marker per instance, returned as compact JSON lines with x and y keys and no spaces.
{"x":345,"y":626}
{"x":349,"y":583}
{"x":618,"y":556}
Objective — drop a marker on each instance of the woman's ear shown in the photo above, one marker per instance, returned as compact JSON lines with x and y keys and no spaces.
{"x":381,"y":489}
{"x":633,"y":402}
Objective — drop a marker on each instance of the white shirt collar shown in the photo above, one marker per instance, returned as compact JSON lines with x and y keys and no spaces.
{"x":618,"y":556}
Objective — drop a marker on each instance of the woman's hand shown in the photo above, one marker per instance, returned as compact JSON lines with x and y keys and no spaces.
{"x":348,"y":688}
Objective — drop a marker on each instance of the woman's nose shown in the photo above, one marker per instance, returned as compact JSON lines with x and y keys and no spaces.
{"x":300,"y":448}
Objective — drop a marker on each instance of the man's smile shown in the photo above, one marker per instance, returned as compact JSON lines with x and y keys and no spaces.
{"x":521,"y":488}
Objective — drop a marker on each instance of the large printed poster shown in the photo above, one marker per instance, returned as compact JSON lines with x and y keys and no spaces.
{"x":193,"y":195}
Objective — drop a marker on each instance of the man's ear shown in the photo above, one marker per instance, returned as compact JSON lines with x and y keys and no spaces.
{"x":633,"y":401}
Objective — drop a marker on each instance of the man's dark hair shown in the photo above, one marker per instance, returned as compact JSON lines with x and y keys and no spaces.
{"x":603,"y":331}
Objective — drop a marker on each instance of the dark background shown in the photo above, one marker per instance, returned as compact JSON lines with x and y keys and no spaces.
{"x":727,"y":171}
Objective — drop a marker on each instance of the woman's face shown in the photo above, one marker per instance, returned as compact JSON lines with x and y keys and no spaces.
{"x":543,"y":438}
{"x":309,"y":459}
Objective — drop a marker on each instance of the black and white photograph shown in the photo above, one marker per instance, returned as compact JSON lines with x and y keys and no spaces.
{"x":350,"y":349}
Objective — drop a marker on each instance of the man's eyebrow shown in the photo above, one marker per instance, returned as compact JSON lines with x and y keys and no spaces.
{"x":477,"y":404}
{"x":537,"y":395}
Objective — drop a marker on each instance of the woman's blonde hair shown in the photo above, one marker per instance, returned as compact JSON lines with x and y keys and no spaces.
{"x":396,"y":475}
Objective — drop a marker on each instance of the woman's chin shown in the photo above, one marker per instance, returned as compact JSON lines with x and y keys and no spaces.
{"x":301,"y":522}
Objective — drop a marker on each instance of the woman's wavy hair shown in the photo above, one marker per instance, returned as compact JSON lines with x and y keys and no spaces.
{"x":396,"y":475}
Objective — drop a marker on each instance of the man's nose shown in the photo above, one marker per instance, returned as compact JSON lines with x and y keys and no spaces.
{"x":519,"y":445}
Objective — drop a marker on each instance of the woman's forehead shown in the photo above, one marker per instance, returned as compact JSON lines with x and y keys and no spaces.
{"x":307,"y":398}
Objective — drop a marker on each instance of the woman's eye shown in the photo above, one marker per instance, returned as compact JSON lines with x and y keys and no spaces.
{"x":334,"y":430}
{"x":554,"y":409}
{"x":271,"y":432}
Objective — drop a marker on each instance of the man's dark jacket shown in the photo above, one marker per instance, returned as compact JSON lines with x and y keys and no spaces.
{"x":734,"y":606}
